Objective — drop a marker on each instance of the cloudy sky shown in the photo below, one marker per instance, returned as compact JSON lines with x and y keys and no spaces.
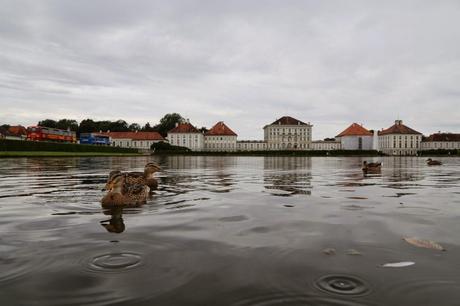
{"x":247,"y":63}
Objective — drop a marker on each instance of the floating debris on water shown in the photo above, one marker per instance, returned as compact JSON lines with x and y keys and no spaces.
{"x":357,"y":198}
{"x":353,"y":252}
{"x":329,"y":251}
{"x":401,"y":264}
{"x":427,"y":244}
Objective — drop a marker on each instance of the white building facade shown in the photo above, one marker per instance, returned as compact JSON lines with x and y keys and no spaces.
{"x":356,"y":137}
{"x":288,"y":133}
{"x":441,"y":141}
{"x":399,"y":139}
{"x":251,"y":145}
{"x":220,"y":138}
{"x":186,"y":135}
{"x":135,"y":140}
{"x":325,"y":145}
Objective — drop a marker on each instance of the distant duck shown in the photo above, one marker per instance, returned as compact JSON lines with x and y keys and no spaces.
{"x":371,"y":166}
{"x":431,"y":162}
{"x":142,"y":178}
{"x":121,"y":193}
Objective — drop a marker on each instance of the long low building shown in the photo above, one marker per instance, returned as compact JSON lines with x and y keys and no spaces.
{"x":251,"y":145}
{"x":441,"y":141}
{"x":326,"y":145}
{"x":136,"y":140}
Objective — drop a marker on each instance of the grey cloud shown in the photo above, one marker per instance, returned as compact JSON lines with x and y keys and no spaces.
{"x":245,"y":62}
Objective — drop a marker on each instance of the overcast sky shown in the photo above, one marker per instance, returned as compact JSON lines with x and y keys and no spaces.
{"x":247,"y":63}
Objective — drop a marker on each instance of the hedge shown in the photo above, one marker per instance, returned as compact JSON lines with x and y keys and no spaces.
{"x":36,"y":146}
{"x":279,"y":153}
{"x":438,"y":152}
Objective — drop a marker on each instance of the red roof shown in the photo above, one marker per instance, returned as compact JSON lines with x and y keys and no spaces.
{"x":443,"y":137}
{"x":17,"y":130}
{"x":355,"y":130}
{"x":399,"y":128}
{"x":287,"y":120}
{"x":220,"y":129}
{"x":135,"y":135}
{"x":184,"y":128}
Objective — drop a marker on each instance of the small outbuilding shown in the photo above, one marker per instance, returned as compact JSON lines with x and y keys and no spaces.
{"x":356,"y":137}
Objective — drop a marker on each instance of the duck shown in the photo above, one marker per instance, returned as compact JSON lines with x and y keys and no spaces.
{"x":143,"y":178}
{"x":371,"y":166}
{"x":431,"y":162}
{"x":122,"y":194}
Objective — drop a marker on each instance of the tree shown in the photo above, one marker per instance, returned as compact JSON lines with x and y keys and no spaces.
{"x":65,"y":124}
{"x":134,"y":127}
{"x":167,"y":123}
{"x":87,"y":126}
{"x":48,"y":123}
{"x":147,"y":128}
{"x":119,"y":126}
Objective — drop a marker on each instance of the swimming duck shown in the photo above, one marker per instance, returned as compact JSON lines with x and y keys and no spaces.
{"x":431,"y":162}
{"x":143,"y":178}
{"x":121,"y":193}
{"x":371,"y":166}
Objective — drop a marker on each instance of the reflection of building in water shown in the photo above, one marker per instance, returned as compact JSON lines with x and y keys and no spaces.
{"x":194,"y":173}
{"x":287,"y":174}
{"x":398,"y":169}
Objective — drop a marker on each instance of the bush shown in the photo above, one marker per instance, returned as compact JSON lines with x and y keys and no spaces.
{"x":166,"y":147}
{"x":35,"y":146}
{"x":438,"y":152}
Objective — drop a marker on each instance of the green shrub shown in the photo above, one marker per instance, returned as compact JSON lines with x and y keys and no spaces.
{"x":166,"y":147}
{"x":438,"y":152}
{"x":35,"y":146}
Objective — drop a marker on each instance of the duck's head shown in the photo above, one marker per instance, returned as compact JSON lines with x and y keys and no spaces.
{"x":429,"y":159}
{"x":365,"y":163}
{"x":109,"y":179}
{"x":151,"y":168}
{"x":116,"y":183}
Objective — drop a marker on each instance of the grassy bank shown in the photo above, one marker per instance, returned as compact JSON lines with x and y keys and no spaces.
{"x":39,"y":147}
{"x":60,"y":154}
{"x":275,"y":153}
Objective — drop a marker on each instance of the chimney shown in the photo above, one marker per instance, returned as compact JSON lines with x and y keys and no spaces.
{"x":398,"y":122}
{"x":177,"y":124}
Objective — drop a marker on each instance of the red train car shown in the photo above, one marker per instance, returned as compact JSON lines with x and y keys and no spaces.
{"x":40,"y":133}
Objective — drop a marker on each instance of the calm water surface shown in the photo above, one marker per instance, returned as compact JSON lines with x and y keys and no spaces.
{"x":237,"y":231}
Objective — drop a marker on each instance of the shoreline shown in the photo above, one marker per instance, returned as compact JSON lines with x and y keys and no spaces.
{"x":11,"y":154}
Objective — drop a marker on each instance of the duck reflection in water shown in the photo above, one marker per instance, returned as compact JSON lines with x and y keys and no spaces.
{"x":115,"y":224}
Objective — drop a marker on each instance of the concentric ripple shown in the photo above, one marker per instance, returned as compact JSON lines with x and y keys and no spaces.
{"x":115,"y":262}
{"x":284,"y":299}
{"x":342,"y":284}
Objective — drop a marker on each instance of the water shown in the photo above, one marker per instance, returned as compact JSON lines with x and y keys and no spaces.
{"x":237,"y":231}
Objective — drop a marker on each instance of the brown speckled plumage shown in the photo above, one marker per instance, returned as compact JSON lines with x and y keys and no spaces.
{"x":123,"y":194}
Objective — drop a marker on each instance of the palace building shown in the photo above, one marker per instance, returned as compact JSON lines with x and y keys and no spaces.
{"x":288,"y":133}
{"x":399,"y":139}
{"x":220,"y":138}
{"x":186,"y":135}
{"x":355,"y":137}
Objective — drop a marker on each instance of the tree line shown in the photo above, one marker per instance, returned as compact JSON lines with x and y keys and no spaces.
{"x":166,"y":123}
